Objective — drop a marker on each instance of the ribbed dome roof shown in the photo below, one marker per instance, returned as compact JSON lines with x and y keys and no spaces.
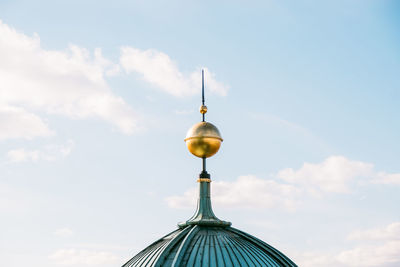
{"x":209,"y":246}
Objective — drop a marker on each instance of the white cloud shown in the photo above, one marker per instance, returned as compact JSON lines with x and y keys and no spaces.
{"x":387,"y":254}
{"x":64,"y":232}
{"x":378,"y":247}
{"x":387,"y":178}
{"x":82,"y":257}
{"x":384,"y":255}
{"x":389,"y":232}
{"x":335,"y":174}
{"x":246,"y":192}
{"x":160,"y":70}
{"x":18,"y":123}
{"x":21,"y":155}
{"x":185,"y":201}
{"x":69,"y":83}
{"x":315,"y":259}
{"x":49,"y":153}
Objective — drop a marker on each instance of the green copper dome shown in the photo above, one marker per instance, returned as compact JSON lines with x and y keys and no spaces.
{"x":209,"y":246}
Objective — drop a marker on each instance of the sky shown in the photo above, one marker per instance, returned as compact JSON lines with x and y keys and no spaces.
{"x":96,"y":98}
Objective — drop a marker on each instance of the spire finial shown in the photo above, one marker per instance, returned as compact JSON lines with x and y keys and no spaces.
{"x":204,"y":140}
{"x":203,"y":107}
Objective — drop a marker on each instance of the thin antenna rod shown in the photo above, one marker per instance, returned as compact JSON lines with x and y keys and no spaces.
{"x":204,"y":115}
{"x":202,"y":91}
{"x":202,"y":87}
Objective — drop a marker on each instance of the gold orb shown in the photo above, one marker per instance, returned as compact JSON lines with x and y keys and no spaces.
{"x":203,"y":140}
{"x":203,"y":109}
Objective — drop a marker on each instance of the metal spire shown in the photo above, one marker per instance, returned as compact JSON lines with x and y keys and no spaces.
{"x":202,"y":94}
{"x":204,"y":137}
{"x":203,"y":111}
{"x":204,"y":173}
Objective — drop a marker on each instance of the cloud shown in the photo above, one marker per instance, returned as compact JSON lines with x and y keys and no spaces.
{"x":83,"y":257}
{"x":387,"y":254}
{"x":69,"y":83}
{"x":315,"y":259}
{"x":389,"y":232}
{"x":335,"y":174}
{"x":246,"y":192}
{"x":185,"y":201}
{"x":49,"y":153}
{"x":387,"y":178}
{"x":379,"y":247}
{"x":64,"y":232}
{"x":160,"y":70}
{"x":379,"y":255}
{"x":18,"y":123}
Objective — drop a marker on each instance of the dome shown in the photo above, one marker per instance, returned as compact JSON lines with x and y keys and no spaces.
{"x":209,"y":246}
{"x":203,"y":139}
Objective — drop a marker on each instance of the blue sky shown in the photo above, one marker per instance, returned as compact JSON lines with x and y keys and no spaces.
{"x":96,"y":98}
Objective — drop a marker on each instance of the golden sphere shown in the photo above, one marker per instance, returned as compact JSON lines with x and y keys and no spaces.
{"x":203,"y":109}
{"x":203,"y":140}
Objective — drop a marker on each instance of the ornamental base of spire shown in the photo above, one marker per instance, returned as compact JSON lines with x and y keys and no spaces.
{"x":205,"y":222}
{"x":204,"y":214}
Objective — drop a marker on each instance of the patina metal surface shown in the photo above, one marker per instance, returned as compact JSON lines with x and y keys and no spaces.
{"x":202,"y":246}
{"x":204,"y":214}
